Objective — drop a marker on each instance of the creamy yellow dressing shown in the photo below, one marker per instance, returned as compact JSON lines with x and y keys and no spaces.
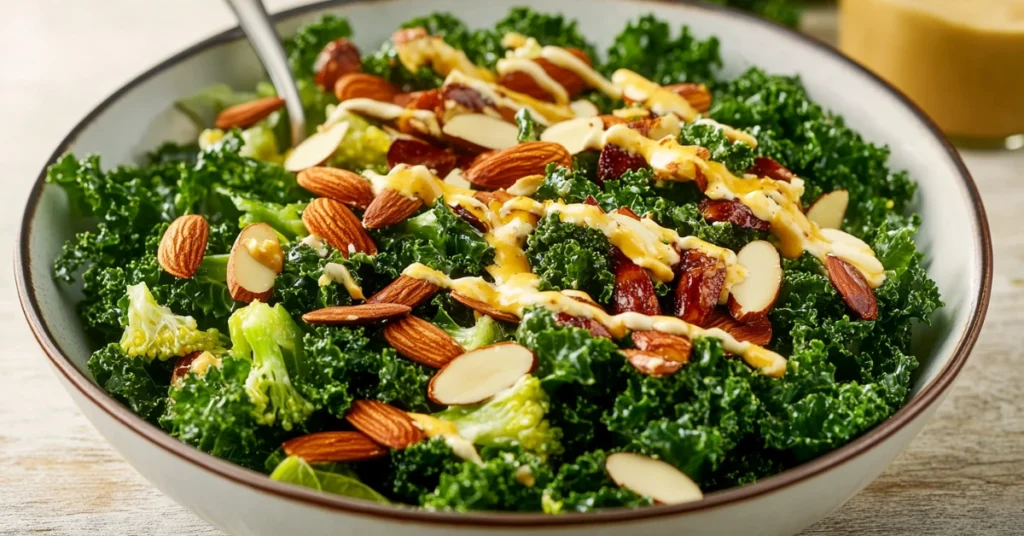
{"x":440,"y":56}
{"x":539,"y":75}
{"x":202,"y":363}
{"x":338,"y":273}
{"x":434,"y":427}
{"x":424,"y":121}
{"x":570,"y":62}
{"x":652,"y":96}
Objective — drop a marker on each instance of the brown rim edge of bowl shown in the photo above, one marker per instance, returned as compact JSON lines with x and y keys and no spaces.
{"x":924,"y":399}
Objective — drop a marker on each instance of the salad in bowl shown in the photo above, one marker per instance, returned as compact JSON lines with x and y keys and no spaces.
{"x":505,"y":271}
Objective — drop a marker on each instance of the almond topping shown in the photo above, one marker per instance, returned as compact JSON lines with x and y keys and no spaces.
{"x":768,"y":167}
{"x":651,"y":364}
{"x":757,"y":332}
{"x":388,"y":208}
{"x":364,"y":86}
{"x":595,"y":328}
{"x":248,"y":278}
{"x":830,"y":209}
{"x":731,"y":211}
{"x":652,"y":478}
{"x":484,"y":308}
{"x":330,"y":447}
{"x":384,"y":424}
{"x":248,"y":114}
{"x":699,"y":286}
{"x":338,"y":184}
{"x":422,"y":342}
{"x":850,"y":284}
{"x":337,"y":59}
{"x":475,"y":376}
{"x":503,"y":168}
{"x":356,"y":315}
{"x":337,"y":225}
{"x":266,"y":252}
{"x":317,"y":148}
{"x":697,"y":95}
{"x":665,"y":345}
{"x":183,"y":245}
{"x":407,"y":291}
{"x":480,"y":132}
{"x":753,"y":297}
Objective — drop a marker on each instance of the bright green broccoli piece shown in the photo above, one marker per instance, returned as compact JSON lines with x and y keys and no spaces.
{"x":155,"y":332}
{"x":285,"y":219}
{"x":516,"y":416}
{"x":568,"y":256}
{"x":295,"y":470}
{"x":365,"y":147}
{"x":270,"y":339}
{"x":470,"y":330}
{"x":132,"y":380}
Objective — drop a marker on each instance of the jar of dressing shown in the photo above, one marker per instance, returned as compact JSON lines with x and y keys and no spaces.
{"x":962,"y":61}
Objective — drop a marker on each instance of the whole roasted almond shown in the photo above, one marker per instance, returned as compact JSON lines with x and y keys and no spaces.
{"x":418,"y":153}
{"x":650,"y":363}
{"x":484,"y":308}
{"x":248,"y":114}
{"x":699,"y":286}
{"x":338,"y":58}
{"x":183,"y":245}
{"x":422,"y":342}
{"x":666,"y":345}
{"x":850,"y":284}
{"x":767,"y":167}
{"x":758,"y":332}
{"x":615,"y":161}
{"x":356,"y":315}
{"x":731,"y":211}
{"x":388,"y":208}
{"x":338,"y":184}
{"x":384,"y":424}
{"x":337,"y":225}
{"x":595,"y":328}
{"x":330,"y":447}
{"x":364,"y":86}
{"x":634,"y":291}
{"x":429,"y":99}
{"x":698,"y":95}
{"x":407,"y":291}
{"x":503,"y":168}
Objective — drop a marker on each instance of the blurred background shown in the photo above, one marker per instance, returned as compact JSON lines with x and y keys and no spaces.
{"x":962,"y":60}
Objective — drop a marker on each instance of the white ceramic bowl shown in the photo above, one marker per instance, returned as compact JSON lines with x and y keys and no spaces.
{"x":139,"y":116}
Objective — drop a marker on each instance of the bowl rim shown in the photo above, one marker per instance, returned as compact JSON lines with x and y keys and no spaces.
{"x":259,"y":482}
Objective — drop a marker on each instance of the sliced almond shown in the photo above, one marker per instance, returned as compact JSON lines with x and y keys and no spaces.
{"x":666,"y":345}
{"x":248,"y":278}
{"x":753,"y":297}
{"x":698,"y":95}
{"x":338,"y":184}
{"x":851,"y":285}
{"x":384,"y":424}
{"x":364,"y":86}
{"x":422,"y":342}
{"x":830,"y":209}
{"x":248,"y":114}
{"x":651,"y":478}
{"x":407,"y":291}
{"x":595,"y":328}
{"x":480,"y":132}
{"x":480,"y":374}
{"x":576,"y":135}
{"x":356,"y":315}
{"x":183,"y":245}
{"x":634,"y":291}
{"x":337,"y":225}
{"x":699,"y":286}
{"x":758,"y":332}
{"x":317,"y":148}
{"x":731,"y":211}
{"x":388,"y":208}
{"x":331,"y":447}
{"x":584,"y":108}
{"x":484,"y":308}
{"x":503,"y":168}
{"x":651,"y":364}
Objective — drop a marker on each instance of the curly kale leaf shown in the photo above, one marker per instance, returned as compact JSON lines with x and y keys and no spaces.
{"x":132,"y":380}
{"x":527,"y":128}
{"x":213,"y":413}
{"x":583,"y":485}
{"x":509,"y":480}
{"x":569,"y":185}
{"x":471,"y":331}
{"x":437,"y":238}
{"x":647,"y":47}
{"x":786,"y":12}
{"x":568,"y":256}
{"x":303,"y":47}
{"x":416,"y":471}
{"x":298,"y":286}
{"x":736,"y":156}
{"x":554,"y":30}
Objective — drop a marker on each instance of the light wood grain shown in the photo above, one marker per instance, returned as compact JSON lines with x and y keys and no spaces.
{"x":963,"y":475}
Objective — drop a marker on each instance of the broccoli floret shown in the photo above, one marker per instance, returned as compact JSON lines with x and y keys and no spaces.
{"x":285,"y":219}
{"x":516,"y":416}
{"x":295,"y":470}
{"x":155,"y":332}
{"x":134,"y":381}
{"x":270,"y":339}
{"x":483,"y":331}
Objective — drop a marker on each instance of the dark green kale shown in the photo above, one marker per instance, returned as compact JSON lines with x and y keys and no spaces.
{"x":136,"y":383}
{"x":568,"y":256}
{"x":571,"y":186}
{"x":583,"y":485}
{"x":647,"y":47}
{"x":736,"y":156}
{"x":527,"y":128}
{"x":786,"y":12}
{"x":437,"y":238}
{"x":510,"y":480}
{"x":554,"y":30}
{"x":303,"y":47}
{"x":298,"y":286}
{"x":416,"y":471}
{"x":170,"y":152}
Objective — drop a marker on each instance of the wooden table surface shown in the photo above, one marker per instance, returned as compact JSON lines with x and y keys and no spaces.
{"x":963,"y":475}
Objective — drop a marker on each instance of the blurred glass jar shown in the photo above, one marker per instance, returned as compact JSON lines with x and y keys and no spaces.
{"x":962,"y":61}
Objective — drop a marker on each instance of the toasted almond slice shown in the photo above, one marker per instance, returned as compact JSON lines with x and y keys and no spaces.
{"x":830,"y":209}
{"x":405,"y":291}
{"x":699,"y":286}
{"x":480,"y":132}
{"x":665,"y":345}
{"x":356,"y":315}
{"x":384,"y":424}
{"x":651,"y":478}
{"x":330,"y":447}
{"x":183,"y":245}
{"x":753,"y":297}
{"x":503,"y":168}
{"x":480,"y":374}
{"x":317,"y":148}
{"x":422,"y":342}
{"x":651,"y":364}
{"x":576,"y":135}
{"x":851,"y":285}
{"x":337,"y":225}
{"x":248,"y":278}
{"x":389,"y":208}
{"x":484,"y":308}
{"x":758,"y":332}
{"x":248,"y":114}
{"x":584,"y":108}
{"x":364,"y":86}
{"x":338,"y":184}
